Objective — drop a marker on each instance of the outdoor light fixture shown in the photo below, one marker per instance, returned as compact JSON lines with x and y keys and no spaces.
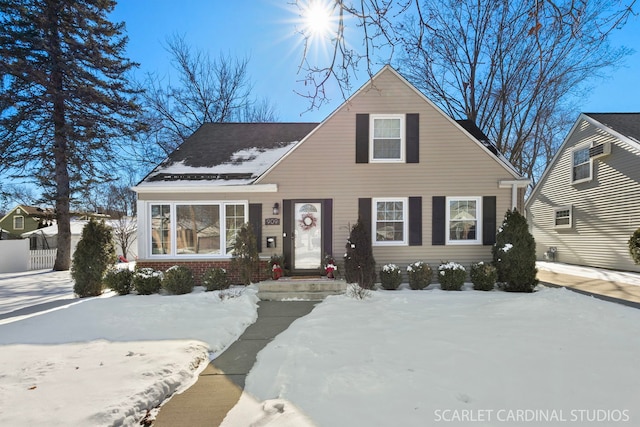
{"x":276,"y":208}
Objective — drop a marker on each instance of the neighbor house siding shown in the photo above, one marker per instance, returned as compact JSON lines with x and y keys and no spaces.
{"x":606,"y":210}
{"x":450,"y":164}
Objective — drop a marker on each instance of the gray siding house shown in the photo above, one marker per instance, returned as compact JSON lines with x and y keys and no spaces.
{"x":587,"y":203}
{"x":429,"y":188}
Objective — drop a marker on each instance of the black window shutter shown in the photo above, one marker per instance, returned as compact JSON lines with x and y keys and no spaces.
{"x":415,"y":221}
{"x":488,"y":220}
{"x":412,"y":131}
{"x":438,"y":221}
{"x":287,"y":214}
{"x":327,"y":226}
{"x":255,"y":219}
{"x":364,"y":213}
{"x":362,"y":138}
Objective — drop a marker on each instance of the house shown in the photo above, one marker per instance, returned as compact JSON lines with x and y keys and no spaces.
{"x":428,"y":187}
{"x":22,"y":219}
{"x":587,"y":203}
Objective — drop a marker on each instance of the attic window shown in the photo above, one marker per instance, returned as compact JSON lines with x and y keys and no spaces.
{"x":581,"y":170}
{"x":387,"y":138}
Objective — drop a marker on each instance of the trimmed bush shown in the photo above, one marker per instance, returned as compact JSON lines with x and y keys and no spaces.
{"x":359,"y":263}
{"x":390,"y":277}
{"x":420,"y":275}
{"x":245,"y":254}
{"x":215,"y":279}
{"x":147,"y":281}
{"x":514,"y":254}
{"x":634,"y":246}
{"x":451,"y":276}
{"x":119,"y":280}
{"x":94,"y":254}
{"x":178,"y":280}
{"x":483,"y":276}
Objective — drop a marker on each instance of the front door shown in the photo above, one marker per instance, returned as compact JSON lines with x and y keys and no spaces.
{"x":307,"y":233}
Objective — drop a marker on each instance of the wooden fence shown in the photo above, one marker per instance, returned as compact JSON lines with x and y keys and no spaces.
{"x":42,"y":259}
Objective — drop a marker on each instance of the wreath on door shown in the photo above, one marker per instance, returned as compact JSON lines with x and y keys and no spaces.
{"x":307,"y":221}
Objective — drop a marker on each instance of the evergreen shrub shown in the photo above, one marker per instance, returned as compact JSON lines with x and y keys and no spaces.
{"x":451,"y":276}
{"x":178,"y":280}
{"x":215,"y":279}
{"x":147,"y":281}
{"x":245,"y":254}
{"x":390,"y":277}
{"x":420,"y":275}
{"x":94,"y":254}
{"x":514,"y":254}
{"x":483,"y":276}
{"x":119,"y":280}
{"x":359,"y":264}
{"x":634,"y":246}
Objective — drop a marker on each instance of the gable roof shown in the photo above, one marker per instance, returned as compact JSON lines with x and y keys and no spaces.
{"x":32,"y":211}
{"x":229,"y":153}
{"x":624,"y":126}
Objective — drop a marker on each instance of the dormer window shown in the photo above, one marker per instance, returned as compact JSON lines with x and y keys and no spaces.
{"x":387,"y":138}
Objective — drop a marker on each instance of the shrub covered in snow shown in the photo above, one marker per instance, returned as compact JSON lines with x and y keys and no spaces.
{"x":514,"y":254}
{"x":420,"y":275}
{"x":245,"y":254}
{"x":634,"y":246}
{"x":356,"y":291}
{"x":119,"y":280}
{"x":147,"y":281}
{"x":94,"y":254}
{"x":483,"y":276}
{"x":178,"y":280}
{"x":390,"y":276}
{"x":359,"y":264}
{"x":451,"y":276}
{"x":215,"y":279}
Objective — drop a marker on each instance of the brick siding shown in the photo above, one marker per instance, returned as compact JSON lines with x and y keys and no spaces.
{"x":199,"y":267}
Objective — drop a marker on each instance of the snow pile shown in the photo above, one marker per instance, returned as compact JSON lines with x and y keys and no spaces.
{"x":590,"y":272}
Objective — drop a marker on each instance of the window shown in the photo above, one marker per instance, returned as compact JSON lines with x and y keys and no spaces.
{"x":18,"y":223}
{"x":387,"y":134}
{"x":390,"y":225}
{"x":463,"y":220}
{"x":563,"y":217}
{"x":581,"y":170}
{"x":205,"y":229}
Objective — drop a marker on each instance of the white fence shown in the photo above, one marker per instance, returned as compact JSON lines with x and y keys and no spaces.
{"x":42,"y":259}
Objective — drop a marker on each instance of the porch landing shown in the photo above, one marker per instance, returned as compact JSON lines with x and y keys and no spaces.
{"x":308,"y":288}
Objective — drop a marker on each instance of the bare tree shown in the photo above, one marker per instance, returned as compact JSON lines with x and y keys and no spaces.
{"x":206,"y":90}
{"x":509,"y":66}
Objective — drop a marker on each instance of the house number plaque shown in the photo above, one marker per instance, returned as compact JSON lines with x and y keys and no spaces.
{"x":272,"y":221}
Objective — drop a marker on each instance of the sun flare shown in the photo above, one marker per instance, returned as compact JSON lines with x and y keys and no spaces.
{"x":318,"y":19}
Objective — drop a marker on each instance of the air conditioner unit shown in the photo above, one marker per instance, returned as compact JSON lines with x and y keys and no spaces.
{"x":600,"y":150}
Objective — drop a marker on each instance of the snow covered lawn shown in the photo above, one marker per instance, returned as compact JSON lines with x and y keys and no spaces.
{"x":20,"y":290}
{"x":106,"y":361}
{"x":417,"y":358}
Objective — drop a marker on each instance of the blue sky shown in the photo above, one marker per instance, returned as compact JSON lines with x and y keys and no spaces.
{"x":264,"y":31}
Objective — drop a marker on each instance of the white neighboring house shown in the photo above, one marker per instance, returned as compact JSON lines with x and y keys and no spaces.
{"x":47,"y":237}
{"x":587,"y":203}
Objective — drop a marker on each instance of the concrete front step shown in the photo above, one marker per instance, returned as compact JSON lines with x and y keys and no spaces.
{"x":304,"y":289}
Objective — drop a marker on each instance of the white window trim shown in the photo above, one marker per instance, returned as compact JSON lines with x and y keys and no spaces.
{"x":405,"y":221}
{"x":563,"y":208}
{"x":15,"y":227}
{"x":173,"y":218}
{"x":403,"y":141}
{"x":478,"y":239}
{"x":573,"y":150}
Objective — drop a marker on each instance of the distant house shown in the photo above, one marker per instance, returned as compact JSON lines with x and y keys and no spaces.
{"x":428,"y":187}
{"x":587,"y":203}
{"x":22,"y":219}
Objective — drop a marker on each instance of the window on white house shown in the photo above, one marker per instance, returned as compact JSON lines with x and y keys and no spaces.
{"x":581,"y":170}
{"x":387,"y":138}
{"x":18,"y":223}
{"x":563,"y":217}
{"x":463,"y":220}
{"x":390,"y":225}
{"x":205,"y":229}
{"x":160,"y":229}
